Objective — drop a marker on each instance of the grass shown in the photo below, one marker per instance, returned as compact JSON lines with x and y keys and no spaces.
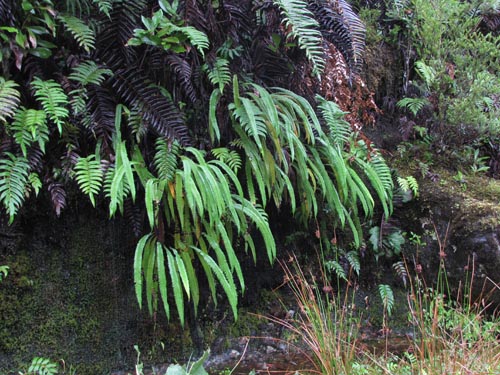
{"x":456,"y":337}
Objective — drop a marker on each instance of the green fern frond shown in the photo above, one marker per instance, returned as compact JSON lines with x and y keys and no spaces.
{"x":219,"y":73}
{"x":196,"y":37}
{"x":35,"y":182}
{"x":408,"y":184}
{"x":30,"y":126}
{"x":53,"y":100}
{"x":9,"y":99}
{"x":83,"y":34}
{"x":414,"y":105}
{"x":89,"y":176}
{"x":426,"y":72}
{"x":43,"y":366}
{"x":304,"y":28}
{"x":387,"y":297}
{"x":165,"y":159}
{"x":353,"y":259}
{"x":105,"y":6}
{"x":338,"y":128}
{"x":229,"y":157}
{"x":14,"y":171}
{"x":88,"y":72}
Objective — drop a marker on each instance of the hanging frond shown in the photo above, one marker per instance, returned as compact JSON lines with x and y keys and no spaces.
{"x":229,"y":157}
{"x":219,"y":73}
{"x":81,"y":32}
{"x":341,"y":26}
{"x":89,"y":176}
{"x":57,"y":196}
{"x":157,"y":110}
{"x":165,"y":159}
{"x":339,"y":130}
{"x":305,"y":29}
{"x":30,"y":126}
{"x":182,"y":74}
{"x":387,"y":297}
{"x":14,"y":171}
{"x":9,"y":98}
{"x":53,"y":100}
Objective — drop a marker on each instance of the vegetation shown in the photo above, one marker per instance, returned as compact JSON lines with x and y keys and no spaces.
{"x":151,"y":107}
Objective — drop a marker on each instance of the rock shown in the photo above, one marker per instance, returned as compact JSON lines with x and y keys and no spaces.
{"x":460,"y":224}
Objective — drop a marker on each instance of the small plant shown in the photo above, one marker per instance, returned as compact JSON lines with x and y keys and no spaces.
{"x":4,"y":271}
{"x":42,"y":366}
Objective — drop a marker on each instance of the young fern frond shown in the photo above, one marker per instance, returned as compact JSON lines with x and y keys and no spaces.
{"x":414,"y":105}
{"x":43,"y":366}
{"x":89,"y":176}
{"x":229,"y":157}
{"x":165,"y":159}
{"x":14,"y":171}
{"x":81,"y":32}
{"x":29,"y":126}
{"x":53,"y":100}
{"x":304,"y":28}
{"x":219,"y":73}
{"x":408,"y":184}
{"x":9,"y":99}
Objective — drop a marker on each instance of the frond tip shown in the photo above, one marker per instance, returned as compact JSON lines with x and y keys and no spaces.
{"x":14,"y":172}
{"x":9,"y":99}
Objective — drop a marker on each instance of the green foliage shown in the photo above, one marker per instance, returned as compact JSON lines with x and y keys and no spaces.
{"x":9,"y":99}
{"x":304,"y":28}
{"x":414,"y":105}
{"x":4,"y":271}
{"x":30,"y":126}
{"x":195,"y":368}
{"x":105,"y":6}
{"x":42,"y":366}
{"x":408,"y":183}
{"x":53,"y":100}
{"x":88,"y":174}
{"x":219,"y":74}
{"x":88,"y":72}
{"x":386,"y":242}
{"x":162,"y":32}
{"x":165,"y":159}
{"x":82,"y":33}
{"x":14,"y":171}
{"x":387,"y":297}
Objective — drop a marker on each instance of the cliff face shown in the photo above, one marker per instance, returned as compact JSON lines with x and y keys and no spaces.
{"x":69,"y":294}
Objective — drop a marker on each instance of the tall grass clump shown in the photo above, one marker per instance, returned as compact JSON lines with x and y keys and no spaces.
{"x":325,"y":321}
{"x":451,"y":335}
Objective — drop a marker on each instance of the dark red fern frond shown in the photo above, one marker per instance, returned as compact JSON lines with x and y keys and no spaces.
{"x":57,"y":196}
{"x":182,"y":71}
{"x":139,"y":93}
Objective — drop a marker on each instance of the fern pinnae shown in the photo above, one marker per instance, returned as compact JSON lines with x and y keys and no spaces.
{"x":219,"y":73}
{"x":89,"y":176}
{"x":14,"y":172}
{"x":82,"y":33}
{"x":138,"y":258}
{"x":165,"y":159}
{"x":88,"y":72}
{"x":53,"y":100}
{"x":9,"y":99}
{"x":162,"y":277}
{"x":176,"y":284}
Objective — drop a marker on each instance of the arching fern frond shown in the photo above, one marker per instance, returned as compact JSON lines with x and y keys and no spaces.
{"x":305,"y":29}
{"x":339,"y":130}
{"x":53,"y":100}
{"x":81,"y":32}
{"x":14,"y":171}
{"x":9,"y":98}
{"x":88,"y":174}
{"x":229,"y":157}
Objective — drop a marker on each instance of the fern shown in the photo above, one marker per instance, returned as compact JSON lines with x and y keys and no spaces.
{"x":304,"y":28}
{"x":42,"y":366}
{"x":105,"y":6}
{"x":335,"y":267}
{"x":339,"y":129}
{"x":387,"y":297}
{"x":219,"y":74}
{"x":401,"y":271}
{"x":53,"y":100}
{"x":89,"y":175}
{"x":165,"y":159}
{"x":30,"y":126}
{"x":408,"y":184}
{"x":88,"y":72}
{"x":9,"y":99}
{"x":14,"y":172}
{"x":229,"y":157}
{"x":426,"y":72}
{"x":414,"y":105}
{"x":353,"y":259}
{"x":81,"y":32}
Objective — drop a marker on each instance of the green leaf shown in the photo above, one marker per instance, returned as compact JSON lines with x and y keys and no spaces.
{"x":9,"y":99}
